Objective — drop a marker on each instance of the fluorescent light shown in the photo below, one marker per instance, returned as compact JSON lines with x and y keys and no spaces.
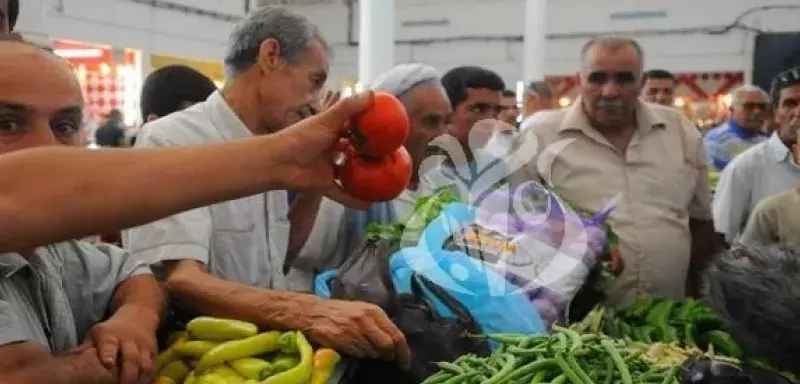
{"x":79,"y":53}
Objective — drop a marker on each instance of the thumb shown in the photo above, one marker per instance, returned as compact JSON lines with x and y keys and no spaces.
{"x":345,"y":109}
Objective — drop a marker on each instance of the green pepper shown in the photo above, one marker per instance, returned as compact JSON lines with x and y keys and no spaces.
{"x":215,"y":329}
{"x":724,"y":344}
{"x":689,"y":338}
{"x":660,"y":313}
{"x":648,"y":333}
{"x":236,"y":349}
{"x":301,"y":373}
{"x":287,"y":343}
{"x":686,"y":309}
{"x":283,"y":363}
{"x":639,"y":308}
{"x":252,"y":368}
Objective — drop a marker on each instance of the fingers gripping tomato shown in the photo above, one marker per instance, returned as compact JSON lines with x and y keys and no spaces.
{"x":382,"y":128}
{"x":376,"y":179}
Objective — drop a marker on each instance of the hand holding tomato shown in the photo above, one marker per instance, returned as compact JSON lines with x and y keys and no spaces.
{"x":382,"y":128}
{"x":379,"y":179}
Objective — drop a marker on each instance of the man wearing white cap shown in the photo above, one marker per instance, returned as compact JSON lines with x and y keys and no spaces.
{"x":333,"y":230}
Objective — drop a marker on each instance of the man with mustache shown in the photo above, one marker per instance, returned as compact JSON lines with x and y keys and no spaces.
{"x":612,"y":148}
{"x":659,"y":87}
{"x":765,"y":169}
{"x":749,"y":110}
{"x":228,"y":259}
{"x":509,"y":111}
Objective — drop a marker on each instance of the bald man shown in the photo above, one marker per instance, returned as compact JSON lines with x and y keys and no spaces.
{"x":55,"y":297}
{"x":52,"y":192}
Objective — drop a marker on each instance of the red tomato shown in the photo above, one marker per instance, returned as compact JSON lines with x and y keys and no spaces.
{"x":382,"y":128}
{"x":376,"y":179}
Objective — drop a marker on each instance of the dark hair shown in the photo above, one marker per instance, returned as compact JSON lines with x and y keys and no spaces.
{"x":13,"y":13}
{"x":509,"y":93}
{"x":782,"y":81}
{"x":754,"y":289}
{"x":166,"y":90}
{"x":458,"y":80}
{"x":659,"y":74}
{"x":541,"y":88}
{"x":613,"y":42}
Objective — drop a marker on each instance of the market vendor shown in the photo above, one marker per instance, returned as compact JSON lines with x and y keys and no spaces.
{"x":337,"y":230}
{"x":54,"y":298}
{"x":612,"y":148}
{"x":227,"y":260}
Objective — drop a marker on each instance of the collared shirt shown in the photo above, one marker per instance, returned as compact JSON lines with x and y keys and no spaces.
{"x":776,"y":219}
{"x":726,"y":141}
{"x":244,"y":240}
{"x":764,"y":170}
{"x":56,"y":297}
{"x":657,"y":185}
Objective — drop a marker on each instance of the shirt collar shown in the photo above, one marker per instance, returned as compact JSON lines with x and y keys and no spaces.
{"x":576,"y":119}
{"x":738,"y":131}
{"x":224,"y":119}
{"x":778,"y":150}
{"x":11,"y":263}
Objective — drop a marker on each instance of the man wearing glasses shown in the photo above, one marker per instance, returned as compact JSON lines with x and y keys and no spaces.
{"x":749,"y":110}
{"x":645,"y":158}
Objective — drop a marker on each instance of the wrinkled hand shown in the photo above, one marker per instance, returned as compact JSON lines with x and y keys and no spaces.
{"x":309,"y":148}
{"x":124,"y":344}
{"x":358,"y":329}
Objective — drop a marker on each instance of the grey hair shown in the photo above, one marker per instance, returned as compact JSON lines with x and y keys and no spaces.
{"x":738,"y":92}
{"x":754,"y":289}
{"x":402,"y":78}
{"x":294,"y":32}
{"x":613,"y":42}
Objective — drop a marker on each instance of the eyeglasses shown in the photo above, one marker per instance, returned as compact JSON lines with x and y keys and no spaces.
{"x":753,"y":105}
{"x":702,"y":370}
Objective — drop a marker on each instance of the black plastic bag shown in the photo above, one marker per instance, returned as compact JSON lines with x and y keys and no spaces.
{"x":430,"y":337}
{"x":364,"y":275}
{"x":702,"y":370}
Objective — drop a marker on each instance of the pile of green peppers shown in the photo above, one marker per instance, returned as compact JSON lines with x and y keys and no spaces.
{"x":688,"y":322}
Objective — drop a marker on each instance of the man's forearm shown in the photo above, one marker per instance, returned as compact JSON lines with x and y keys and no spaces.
{"x":203,"y":293}
{"x":302,"y":216}
{"x":56,"y":193}
{"x":705,"y":244}
{"x":82,"y":367}
{"x":141,"y":298}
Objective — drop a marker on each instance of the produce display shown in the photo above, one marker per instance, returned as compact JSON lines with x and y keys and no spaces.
{"x":223,"y":351}
{"x":377,"y":167}
{"x":564,"y":356}
{"x":689,"y":323}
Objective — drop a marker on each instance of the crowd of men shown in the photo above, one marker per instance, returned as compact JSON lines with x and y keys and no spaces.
{"x":213,"y":167}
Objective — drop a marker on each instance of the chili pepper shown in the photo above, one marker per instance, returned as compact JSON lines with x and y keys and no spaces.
{"x":283,"y":363}
{"x":229,"y":374}
{"x":625,"y":374}
{"x":301,"y":373}
{"x":325,"y":361}
{"x":215,"y":329}
{"x":236,"y":349}
{"x":195,"y":348}
{"x":191,"y":379}
{"x":177,"y":336}
{"x":689,"y":335}
{"x":211,"y":378}
{"x":169,"y":355}
{"x":287,"y":343}
{"x":252,"y":368}
{"x":164,"y":380}
{"x":176,"y":370}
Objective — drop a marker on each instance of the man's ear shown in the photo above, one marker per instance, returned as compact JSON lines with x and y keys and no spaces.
{"x":269,"y":55}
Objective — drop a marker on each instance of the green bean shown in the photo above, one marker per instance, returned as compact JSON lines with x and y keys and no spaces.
{"x":526,"y":351}
{"x":562,"y":341}
{"x":608,"y":345}
{"x":538,"y":377}
{"x":450,"y":367}
{"x":459,"y":378}
{"x":574,"y":338}
{"x":438,"y":377}
{"x":609,"y":371}
{"x":567,"y":370}
{"x":532,"y":367}
{"x":670,"y":376}
{"x":500,"y":376}
{"x":578,"y":370}
{"x":561,"y":379}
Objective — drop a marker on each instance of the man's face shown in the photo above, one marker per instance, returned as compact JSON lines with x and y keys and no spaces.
{"x":787,"y":115}
{"x":286,"y":90}
{"x":429,"y":112}
{"x":29,"y":116}
{"x":480,"y":104}
{"x":611,"y":82}
{"x":659,"y":91}
{"x":750,"y":111}
{"x":508,"y":110}
{"x":5,"y":26}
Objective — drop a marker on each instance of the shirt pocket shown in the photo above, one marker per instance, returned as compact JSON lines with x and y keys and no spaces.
{"x":233,"y":216}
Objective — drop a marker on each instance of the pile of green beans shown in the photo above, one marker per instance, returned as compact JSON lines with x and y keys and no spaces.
{"x":561,"y":357}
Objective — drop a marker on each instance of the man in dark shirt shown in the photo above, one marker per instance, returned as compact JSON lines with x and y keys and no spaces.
{"x":8,"y":16}
{"x":111,"y":133}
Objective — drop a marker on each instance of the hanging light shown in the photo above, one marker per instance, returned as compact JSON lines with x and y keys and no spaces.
{"x":564,"y":102}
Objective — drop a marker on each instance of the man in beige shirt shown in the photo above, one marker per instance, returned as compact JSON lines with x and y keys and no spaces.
{"x":612,"y":148}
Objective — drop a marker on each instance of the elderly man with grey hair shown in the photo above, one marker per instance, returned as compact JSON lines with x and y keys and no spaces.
{"x":227,"y":259}
{"x":749,"y":110}
{"x":336,"y":230}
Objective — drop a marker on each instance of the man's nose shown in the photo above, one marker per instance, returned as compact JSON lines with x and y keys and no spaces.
{"x":610,"y":89}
